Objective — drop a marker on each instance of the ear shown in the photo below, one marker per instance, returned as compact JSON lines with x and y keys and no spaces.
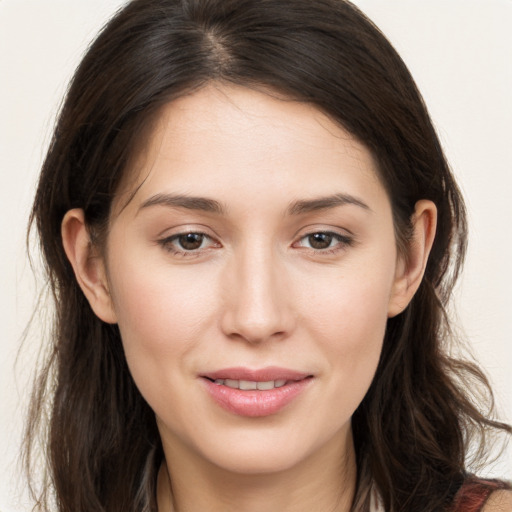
{"x":410,"y":268}
{"x":87,"y":264}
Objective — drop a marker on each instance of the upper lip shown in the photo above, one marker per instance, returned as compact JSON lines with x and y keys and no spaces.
{"x":257,"y":375}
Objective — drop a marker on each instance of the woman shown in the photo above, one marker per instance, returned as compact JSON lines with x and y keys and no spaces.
{"x":251,"y":232}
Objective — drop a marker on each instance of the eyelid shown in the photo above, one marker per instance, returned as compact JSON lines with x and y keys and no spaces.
{"x":184,"y":228}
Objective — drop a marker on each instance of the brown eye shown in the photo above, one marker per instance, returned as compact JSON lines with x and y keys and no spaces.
{"x":191,"y":241}
{"x":320,"y":240}
{"x":188,"y":244}
{"x":325,"y":242}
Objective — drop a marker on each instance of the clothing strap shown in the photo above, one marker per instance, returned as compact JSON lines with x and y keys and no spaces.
{"x":471,"y":497}
{"x":475,"y":492}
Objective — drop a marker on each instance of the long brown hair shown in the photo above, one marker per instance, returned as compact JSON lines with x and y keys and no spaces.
{"x":413,"y":427}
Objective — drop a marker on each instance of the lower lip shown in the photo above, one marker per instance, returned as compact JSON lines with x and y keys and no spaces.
{"x":255,"y":403}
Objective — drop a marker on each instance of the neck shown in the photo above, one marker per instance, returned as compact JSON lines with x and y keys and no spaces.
{"x":324,"y":481}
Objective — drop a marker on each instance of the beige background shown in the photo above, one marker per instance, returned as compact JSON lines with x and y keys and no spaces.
{"x":460,"y":52}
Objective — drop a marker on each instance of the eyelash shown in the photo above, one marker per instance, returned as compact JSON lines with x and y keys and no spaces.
{"x":168,"y":243}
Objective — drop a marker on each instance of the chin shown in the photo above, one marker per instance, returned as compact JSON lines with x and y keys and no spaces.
{"x":263,"y":459}
{"x":270,"y":450}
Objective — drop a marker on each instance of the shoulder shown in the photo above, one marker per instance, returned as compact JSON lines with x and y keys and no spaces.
{"x":499,"y":501}
{"x":483,"y":495}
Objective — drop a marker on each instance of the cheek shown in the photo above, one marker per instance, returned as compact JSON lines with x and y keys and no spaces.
{"x":161,"y":315}
{"x":350,"y":309}
{"x":354,"y":339}
{"x":349,"y":323}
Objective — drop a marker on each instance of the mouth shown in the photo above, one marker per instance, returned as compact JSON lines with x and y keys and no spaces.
{"x":248,"y":385}
{"x":255,"y":393}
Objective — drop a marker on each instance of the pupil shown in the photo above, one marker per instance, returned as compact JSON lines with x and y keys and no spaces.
{"x":320,"y":240}
{"x":191,"y":241}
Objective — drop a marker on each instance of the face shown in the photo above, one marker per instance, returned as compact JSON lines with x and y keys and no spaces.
{"x":251,"y":275}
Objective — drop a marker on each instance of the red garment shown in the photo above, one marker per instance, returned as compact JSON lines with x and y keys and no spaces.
{"x":474,"y":493}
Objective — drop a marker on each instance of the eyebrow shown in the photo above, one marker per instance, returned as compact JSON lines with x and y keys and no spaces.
{"x":324,"y":203}
{"x":183,"y":201}
{"x":212,"y":206}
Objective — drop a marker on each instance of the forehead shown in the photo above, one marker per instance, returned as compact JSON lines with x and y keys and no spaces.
{"x":223,"y":140}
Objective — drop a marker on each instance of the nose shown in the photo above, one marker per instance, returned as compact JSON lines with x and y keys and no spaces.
{"x":257,"y":305}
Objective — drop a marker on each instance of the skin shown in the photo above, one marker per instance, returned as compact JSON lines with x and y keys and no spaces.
{"x":499,"y":501}
{"x":254,"y":294}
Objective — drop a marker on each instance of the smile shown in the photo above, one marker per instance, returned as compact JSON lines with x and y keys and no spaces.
{"x":247,"y":385}
{"x":255,"y":393}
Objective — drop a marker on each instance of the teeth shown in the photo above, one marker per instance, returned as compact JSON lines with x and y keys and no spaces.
{"x":247,"y":385}
{"x":263,"y":386}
